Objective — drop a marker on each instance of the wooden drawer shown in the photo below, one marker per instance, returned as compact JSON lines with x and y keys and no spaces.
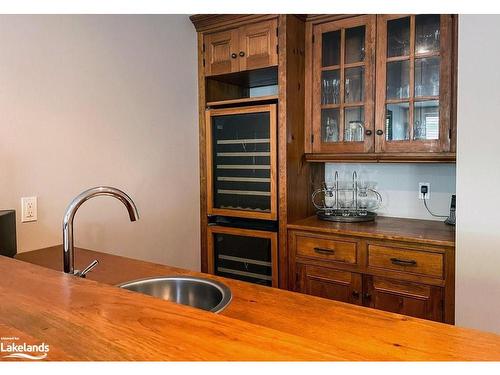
{"x":327,"y":249}
{"x":406,"y":260}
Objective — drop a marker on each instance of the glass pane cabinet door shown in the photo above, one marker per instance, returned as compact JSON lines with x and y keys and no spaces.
{"x":413,"y":104}
{"x":343,"y":78}
{"x":241,"y":162}
{"x":243,"y":254}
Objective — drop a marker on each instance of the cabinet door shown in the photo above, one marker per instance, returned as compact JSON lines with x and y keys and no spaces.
{"x":258,"y":45}
{"x":413,"y":98}
{"x":243,"y":254}
{"x":329,"y":283}
{"x":343,"y":85}
{"x":221,"y":52}
{"x":241,"y":160}
{"x":413,"y":299}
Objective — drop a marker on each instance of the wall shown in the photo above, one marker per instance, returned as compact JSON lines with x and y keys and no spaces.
{"x":102,"y":100}
{"x":398,"y":185}
{"x":478,"y":174}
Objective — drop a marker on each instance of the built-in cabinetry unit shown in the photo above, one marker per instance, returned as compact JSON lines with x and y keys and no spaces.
{"x":281,"y":94}
{"x":253,"y":177}
{"x":381,"y":87}
{"x":399,"y":265}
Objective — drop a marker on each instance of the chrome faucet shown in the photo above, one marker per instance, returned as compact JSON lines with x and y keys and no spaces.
{"x":68,"y":245}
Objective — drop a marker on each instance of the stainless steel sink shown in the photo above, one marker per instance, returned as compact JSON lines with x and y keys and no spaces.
{"x":198,"y":292}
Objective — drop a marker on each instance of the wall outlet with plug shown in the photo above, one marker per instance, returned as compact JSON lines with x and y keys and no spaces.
{"x":424,"y":190}
{"x":29,"y":209}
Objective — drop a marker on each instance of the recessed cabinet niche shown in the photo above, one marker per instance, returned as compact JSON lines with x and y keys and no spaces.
{"x":381,"y":87}
{"x":248,"y":47}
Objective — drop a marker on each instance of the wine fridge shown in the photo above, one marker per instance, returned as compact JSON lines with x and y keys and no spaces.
{"x":242,"y":193}
{"x":241,"y":162}
{"x":239,"y":251}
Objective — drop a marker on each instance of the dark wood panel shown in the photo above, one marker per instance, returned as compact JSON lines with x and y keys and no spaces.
{"x":221,"y":52}
{"x":242,"y":101}
{"x":328,"y":249}
{"x":214,"y":22}
{"x":258,"y":45}
{"x":413,"y":299}
{"x":294,"y":174}
{"x":202,"y":159}
{"x":328,"y":283}
{"x":390,"y":257}
{"x":401,"y":157}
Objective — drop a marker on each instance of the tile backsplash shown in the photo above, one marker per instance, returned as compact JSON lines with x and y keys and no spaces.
{"x":398,"y":185}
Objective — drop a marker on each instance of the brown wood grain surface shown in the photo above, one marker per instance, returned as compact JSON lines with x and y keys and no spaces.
{"x":388,"y":228}
{"x":94,"y":321}
{"x":344,"y":331}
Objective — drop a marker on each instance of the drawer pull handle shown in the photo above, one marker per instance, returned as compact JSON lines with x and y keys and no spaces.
{"x":320,"y":250}
{"x":402,"y":262}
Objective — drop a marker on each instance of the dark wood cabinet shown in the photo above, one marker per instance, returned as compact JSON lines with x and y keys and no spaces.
{"x":245,"y":61}
{"x":407,"y":298}
{"x":329,"y":283}
{"x":381,"y":87}
{"x":220,"y":50}
{"x":258,"y":45}
{"x":355,"y":265}
{"x":414,"y":83}
{"x":248,"y":47}
{"x":343,"y":81}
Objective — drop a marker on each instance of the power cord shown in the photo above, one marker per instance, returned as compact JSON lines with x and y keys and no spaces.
{"x":423,"y":190}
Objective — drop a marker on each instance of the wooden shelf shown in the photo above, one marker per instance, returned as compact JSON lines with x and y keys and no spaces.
{"x":255,"y":99}
{"x":447,"y":157}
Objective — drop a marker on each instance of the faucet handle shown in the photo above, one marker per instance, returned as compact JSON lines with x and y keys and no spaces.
{"x":89,"y":268}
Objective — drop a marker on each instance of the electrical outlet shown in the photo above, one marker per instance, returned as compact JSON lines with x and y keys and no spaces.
{"x":28,"y":209}
{"x":428,"y":194}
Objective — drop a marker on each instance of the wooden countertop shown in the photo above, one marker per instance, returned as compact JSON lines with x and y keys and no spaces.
{"x":387,"y":228}
{"x":260,"y":323}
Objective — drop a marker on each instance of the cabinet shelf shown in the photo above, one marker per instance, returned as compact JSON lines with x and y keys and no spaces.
{"x":256,"y":99}
{"x":437,"y":157}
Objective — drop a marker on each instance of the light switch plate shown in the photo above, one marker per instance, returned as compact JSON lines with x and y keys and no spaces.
{"x":29,"y":209}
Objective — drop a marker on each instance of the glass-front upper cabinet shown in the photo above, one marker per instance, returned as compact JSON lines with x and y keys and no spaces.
{"x":413,"y":94}
{"x":342,"y":85}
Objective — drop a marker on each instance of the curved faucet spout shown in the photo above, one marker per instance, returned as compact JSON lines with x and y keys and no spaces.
{"x":69,"y":215}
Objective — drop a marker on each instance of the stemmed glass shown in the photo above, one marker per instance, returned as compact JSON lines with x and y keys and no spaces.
{"x":331,"y":130}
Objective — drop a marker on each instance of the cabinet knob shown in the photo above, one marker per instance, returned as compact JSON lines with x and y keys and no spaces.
{"x":242,"y":53}
{"x":355,"y":294}
{"x":368,"y":132}
{"x":380,"y":132}
{"x":367,"y":296}
{"x":233,"y":55}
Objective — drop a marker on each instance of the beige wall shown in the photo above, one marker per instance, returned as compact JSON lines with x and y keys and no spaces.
{"x":112,"y":100}
{"x":478,"y":174}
